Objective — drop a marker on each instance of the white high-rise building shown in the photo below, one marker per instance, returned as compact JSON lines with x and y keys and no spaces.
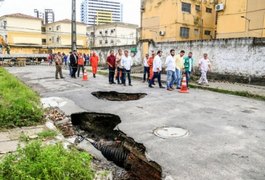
{"x":101,"y":11}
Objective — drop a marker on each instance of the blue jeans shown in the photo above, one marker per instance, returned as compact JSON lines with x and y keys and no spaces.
{"x":179,"y":77}
{"x":124,"y":72}
{"x":171,"y":78}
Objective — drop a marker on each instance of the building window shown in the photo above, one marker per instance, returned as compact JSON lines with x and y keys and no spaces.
{"x":186,"y":7}
{"x":112,"y":42}
{"x":43,"y":41}
{"x":58,"y":39}
{"x":184,"y":32}
{"x":4,"y":24}
{"x":106,"y":32}
{"x":58,"y":28}
{"x":198,"y":8}
{"x":112,"y":31}
{"x":209,"y":10}
{"x":196,"y":31}
{"x":106,"y":41}
{"x":50,"y":28}
{"x":100,"y":32}
{"x":100,"y":41}
{"x":206,"y":32}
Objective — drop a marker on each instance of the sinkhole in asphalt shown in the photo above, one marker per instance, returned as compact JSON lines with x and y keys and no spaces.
{"x":171,"y":132}
{"x":117,"y":96}
{"x":115,"y":145}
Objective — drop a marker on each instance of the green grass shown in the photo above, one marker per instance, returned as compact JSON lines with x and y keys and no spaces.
{"x":47,"y":134}
{"x":49,"y":162}
{"x":19,"y":105}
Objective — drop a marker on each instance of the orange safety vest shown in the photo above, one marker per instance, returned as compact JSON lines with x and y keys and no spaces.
{"x":81,"y":61}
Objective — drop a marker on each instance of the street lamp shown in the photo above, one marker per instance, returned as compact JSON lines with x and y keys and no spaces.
{"x":247,"y":26}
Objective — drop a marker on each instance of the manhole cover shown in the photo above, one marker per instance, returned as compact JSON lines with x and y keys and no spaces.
{"x":170,"y":132}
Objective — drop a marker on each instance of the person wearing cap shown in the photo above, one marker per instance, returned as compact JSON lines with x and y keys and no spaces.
{"x":94,"y":63}
{"x":157,"y":69}
{"x":58,"y":65}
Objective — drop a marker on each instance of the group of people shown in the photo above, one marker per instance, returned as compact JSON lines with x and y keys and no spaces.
{"x":76,"y":63}
{"x":120,"y":67}
{"x":120,"y":64}
{"x":176,"y":66}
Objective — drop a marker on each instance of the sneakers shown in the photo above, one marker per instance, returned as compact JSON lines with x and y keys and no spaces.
{"x":130,"y":85}
{"x":151,"y":86}
{"x":169,"y":89}
{"x":161,"y":87}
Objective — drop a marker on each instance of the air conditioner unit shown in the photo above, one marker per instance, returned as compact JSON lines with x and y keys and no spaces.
{"x":162,"y":33}
{"x":219,"y":7}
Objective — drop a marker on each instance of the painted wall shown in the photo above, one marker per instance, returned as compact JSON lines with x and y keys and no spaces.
{"x":230,"y":24}
{"x":63,"y":31}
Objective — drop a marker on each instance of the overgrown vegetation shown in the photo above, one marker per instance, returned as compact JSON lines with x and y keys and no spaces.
{"x":49,"y":162}
{"x":19,"y":105}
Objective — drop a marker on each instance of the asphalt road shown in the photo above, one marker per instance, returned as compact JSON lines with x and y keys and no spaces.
{"x":226,"y":133}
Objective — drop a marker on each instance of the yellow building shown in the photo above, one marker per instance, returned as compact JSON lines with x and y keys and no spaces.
{"x":20,"y":33}
{"x":58,"y":35}
{"x":178,"y":20}
{"x":240,"y":18}
{"x":103,"y":17}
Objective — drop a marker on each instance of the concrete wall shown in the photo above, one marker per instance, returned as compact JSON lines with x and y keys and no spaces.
{"x":103,"y":53}
{"x":239,"y":57}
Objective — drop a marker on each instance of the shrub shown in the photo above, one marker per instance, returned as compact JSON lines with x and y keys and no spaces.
{"x":46,"y":162}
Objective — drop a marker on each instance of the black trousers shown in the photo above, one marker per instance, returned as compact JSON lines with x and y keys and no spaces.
{"x":74,"y":69}
{"x":111,"y":74}
{"x":146,"y":71}
{"x":158,"y":76}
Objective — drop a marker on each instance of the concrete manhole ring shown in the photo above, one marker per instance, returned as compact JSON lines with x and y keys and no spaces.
{"x":170,"y":132}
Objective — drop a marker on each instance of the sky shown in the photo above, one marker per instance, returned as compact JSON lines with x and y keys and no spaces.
{"x":62,"y":8}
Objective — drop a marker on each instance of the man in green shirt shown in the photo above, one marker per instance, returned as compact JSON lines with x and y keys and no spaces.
{"x":188,"y":66}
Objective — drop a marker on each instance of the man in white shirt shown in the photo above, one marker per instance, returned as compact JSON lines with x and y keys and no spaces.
{"x":126,"y":63}
{"x":170,"y":68}
{"x":146,"y":68}
{"x":157,"y":68}
{"x":204,"y":65}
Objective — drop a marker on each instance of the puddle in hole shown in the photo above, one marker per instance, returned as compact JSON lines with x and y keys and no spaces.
{"x":117,"y":96}
{"x":171,"y":132}
{"x":115,"y":145}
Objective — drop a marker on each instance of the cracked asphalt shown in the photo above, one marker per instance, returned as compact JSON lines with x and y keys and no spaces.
{"x":226,"y":133}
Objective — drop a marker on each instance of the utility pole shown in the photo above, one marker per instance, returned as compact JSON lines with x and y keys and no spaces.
{"x":73,"y":34}
{"x":94,"y":31}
